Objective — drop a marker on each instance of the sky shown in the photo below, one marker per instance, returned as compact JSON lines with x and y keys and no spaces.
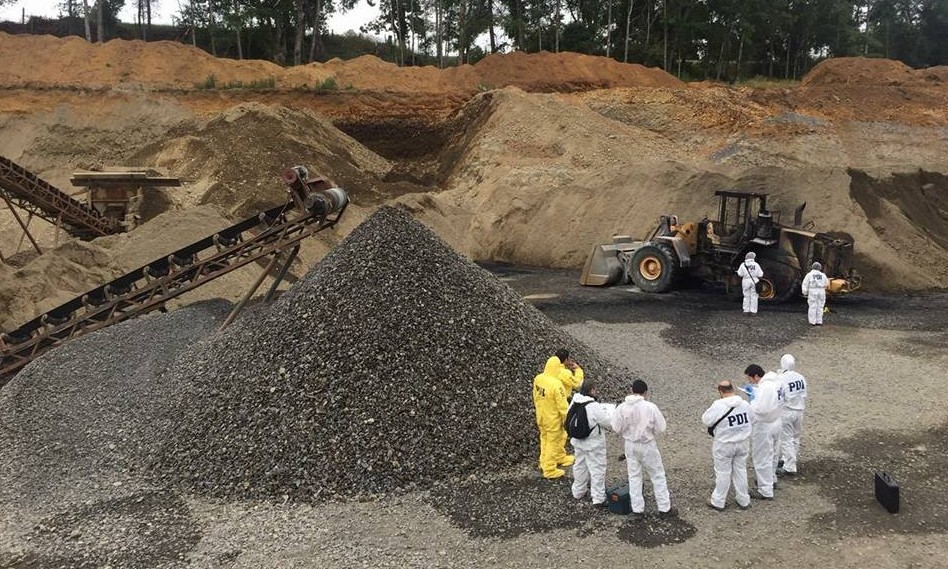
{"x":163,"y":10}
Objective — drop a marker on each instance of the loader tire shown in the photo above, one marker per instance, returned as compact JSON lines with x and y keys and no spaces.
{"x":780,"y":282}
{"x":654,"y":268}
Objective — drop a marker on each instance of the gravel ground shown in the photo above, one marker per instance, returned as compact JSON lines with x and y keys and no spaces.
{"x":873,"y":372}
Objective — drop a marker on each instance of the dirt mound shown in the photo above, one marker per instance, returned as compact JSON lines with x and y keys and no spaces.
{"x":567,"y":71}
{"x":543,"y":176}
{"x":51,"y":61}
{"x":234,"y":159}
{"x":48,"y":61}
{"x":859,"y":71}
{"x":50,"y":280}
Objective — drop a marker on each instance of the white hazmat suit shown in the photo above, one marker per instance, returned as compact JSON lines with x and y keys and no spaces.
{"x":589,"y":470}
{"x":730,"y":448}
{"x":794,"y":389}
{"x":814,"y":287}
{"x":766,"y":417}
{"x":750,"y":273}
{"x":638,"y":421}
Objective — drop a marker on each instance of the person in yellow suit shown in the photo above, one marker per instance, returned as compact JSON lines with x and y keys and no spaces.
{"x":569,"y":371}
{"x":549,"y":400}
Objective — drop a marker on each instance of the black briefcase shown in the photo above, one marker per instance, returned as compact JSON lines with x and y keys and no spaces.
{"x":887,"y":492}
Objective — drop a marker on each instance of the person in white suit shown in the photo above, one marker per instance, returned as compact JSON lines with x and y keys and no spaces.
{"x":750,"y":273}
{"x":639,"y":421}
{"x":729,"y":421}
{"x":794,"y":390}
{"x":814,"y":287}
{"x":766,"y":417}
{"x":589,"y":470}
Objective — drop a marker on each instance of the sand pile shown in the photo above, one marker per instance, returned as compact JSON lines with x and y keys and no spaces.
{"x":394,"y":363}
{"x":53,"y":62}
{"x":62,"y":273}
{"x":567,"y":71}
{"x":234,"y":159}
{"x":844,"y":71}
{"x":544,"y":177}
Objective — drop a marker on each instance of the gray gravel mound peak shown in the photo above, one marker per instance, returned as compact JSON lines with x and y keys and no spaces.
{"x":395,"y":363}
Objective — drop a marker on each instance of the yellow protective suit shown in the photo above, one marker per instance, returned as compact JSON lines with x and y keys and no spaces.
{"x":549,"y":400}
{"x":572,"y":379}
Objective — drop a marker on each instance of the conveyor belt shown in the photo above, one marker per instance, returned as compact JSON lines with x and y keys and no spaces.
{"x":149,"y":287}
{"x":24,"y":189}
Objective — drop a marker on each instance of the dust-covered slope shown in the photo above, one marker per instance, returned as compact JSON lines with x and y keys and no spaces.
{"x":234,"y":159}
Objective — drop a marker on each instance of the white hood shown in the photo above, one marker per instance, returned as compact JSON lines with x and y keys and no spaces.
{"x":787,"y":362}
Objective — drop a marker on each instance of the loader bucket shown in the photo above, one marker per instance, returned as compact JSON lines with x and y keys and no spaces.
{"x":603,"y":267}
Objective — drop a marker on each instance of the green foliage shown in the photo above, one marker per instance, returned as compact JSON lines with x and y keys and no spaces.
{"x":210,"y":82}
{"x":327,"y":84}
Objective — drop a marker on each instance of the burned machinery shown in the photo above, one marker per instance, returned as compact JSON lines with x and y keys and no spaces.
{"x":712,"y":250}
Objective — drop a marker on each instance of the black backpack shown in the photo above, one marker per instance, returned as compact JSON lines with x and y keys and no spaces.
{"x":577,"y":423}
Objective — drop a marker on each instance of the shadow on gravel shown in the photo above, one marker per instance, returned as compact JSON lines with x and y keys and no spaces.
{"x":143,"y":530}
{"x":654,"y":532}
{"x":507,"y":508}
{"x":917,"y":461}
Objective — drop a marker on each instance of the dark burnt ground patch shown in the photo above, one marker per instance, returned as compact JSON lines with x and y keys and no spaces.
{"x":510,"y":507}
{"x":142,"y":530}
{"x":655,"y":532}
{"x":705,"y":318}
{"x":917,"y":461}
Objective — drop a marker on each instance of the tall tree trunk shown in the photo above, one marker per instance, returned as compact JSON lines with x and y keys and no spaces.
{"x":740,"y":56}
{"x":240,"y":47}
{"x":316,"y":17}
{"x":556,"y":28}
{"x":210,"y":28}
{"x":490,"y":28}
{"x":85,"y":18}
{"x":609,"y":32}
{"x":439,"y":38}
{"x":148,"y":17}
{"x":665,"y":35}
{"x":100,"y":21}
{"x":462,"y":32}
{"x":300,"y":29}
{"x":518,"y":5}
{"x":628,"y":26}
{"x":411,"y":32}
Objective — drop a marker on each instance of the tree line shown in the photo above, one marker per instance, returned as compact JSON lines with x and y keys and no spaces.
{"x":694,"y":39}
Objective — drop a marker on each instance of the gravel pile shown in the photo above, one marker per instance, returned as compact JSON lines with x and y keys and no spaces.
{"x":394,"y":363}
{"x":74,"y":419}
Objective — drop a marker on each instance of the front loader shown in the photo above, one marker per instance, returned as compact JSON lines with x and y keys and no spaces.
{"x":712,"y":250}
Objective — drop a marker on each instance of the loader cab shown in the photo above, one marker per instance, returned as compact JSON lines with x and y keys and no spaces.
{"x":742,"y":217}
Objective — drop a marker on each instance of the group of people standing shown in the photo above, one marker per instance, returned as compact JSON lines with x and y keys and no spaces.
{"x":813,"y":286}
{"x":767,"y":425}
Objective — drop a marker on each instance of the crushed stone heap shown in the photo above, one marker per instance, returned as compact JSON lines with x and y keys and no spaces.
{"x":394,"y":363}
